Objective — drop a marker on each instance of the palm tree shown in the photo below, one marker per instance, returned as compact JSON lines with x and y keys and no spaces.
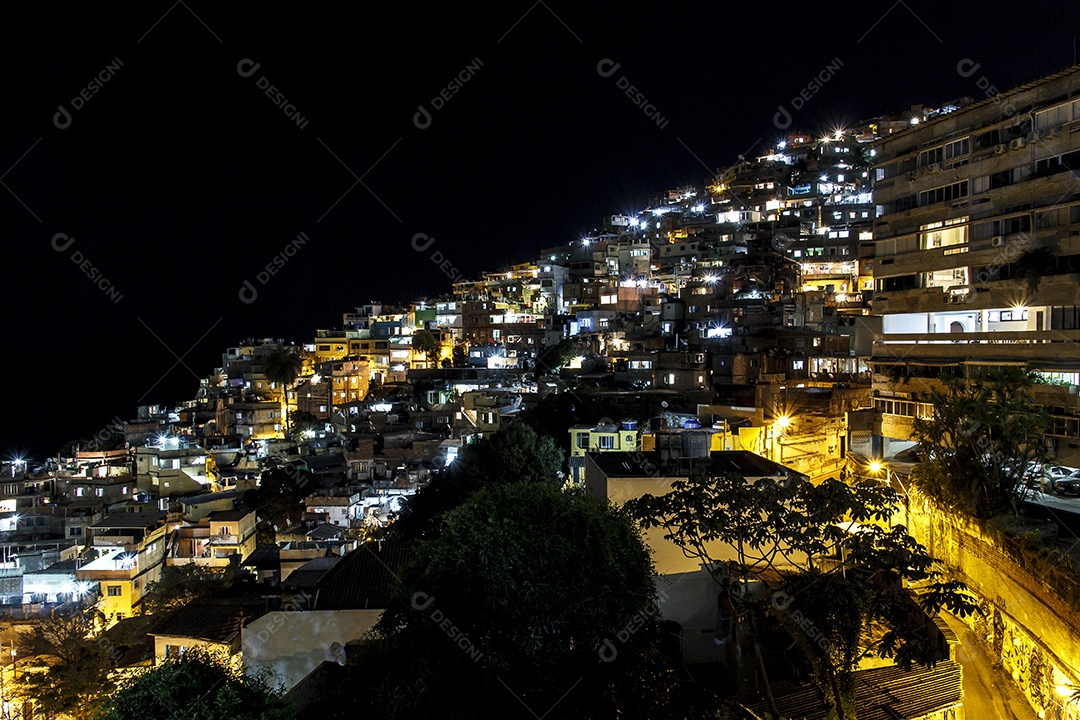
{"x":282,"y":365}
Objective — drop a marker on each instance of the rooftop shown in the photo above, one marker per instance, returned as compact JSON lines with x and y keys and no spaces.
{"x":128,"y":520}
{"x":364,"y":579}
{"x":652,"y":464}
{"x":885,"y":693}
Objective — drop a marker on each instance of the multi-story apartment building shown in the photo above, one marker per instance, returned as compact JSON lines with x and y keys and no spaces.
{"x":213,"y":539}
{"x":169,"y":464}
{"x":130,"y":551}
{"x":977,"y":249}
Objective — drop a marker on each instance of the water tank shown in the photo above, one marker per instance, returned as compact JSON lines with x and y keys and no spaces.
{"x":691,"y":423}
{"x":696,"y":444}
{"x":628,"y":424}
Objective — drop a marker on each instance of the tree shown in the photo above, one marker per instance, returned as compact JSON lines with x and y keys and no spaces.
{"x":77,"y":679}
{"x":739,"y":529}
{"x":515,"y":454}
{"x":460,"y":355}
{"x":558,"y":412}
{"x":555,"y":356}
{"x":279,"y":500}
{"x":425,"y":341}
{"x":180,"y":584}
{"x":1033,"y":265}
{"x":984,"y":442}
{"x":508,"y":607}
{"x":197,"y":686}
{"x":282,"y":366}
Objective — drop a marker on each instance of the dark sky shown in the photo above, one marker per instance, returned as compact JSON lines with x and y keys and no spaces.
{"x":179,"y":178}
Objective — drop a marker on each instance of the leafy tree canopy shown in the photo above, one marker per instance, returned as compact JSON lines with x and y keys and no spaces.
{"x":180,"y":584}
{"x":840,"y":561}
{"x":515,"y":454}
{"x":77,"y":680}
{"x":511,"y":605}
{"x":196,"y":686}
{"x":984,"y":442}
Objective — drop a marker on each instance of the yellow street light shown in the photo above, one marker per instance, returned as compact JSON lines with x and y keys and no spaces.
{"x":876,"y":467}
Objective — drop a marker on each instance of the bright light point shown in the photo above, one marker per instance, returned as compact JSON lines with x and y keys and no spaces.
{"x":1065,"y":690}
{"x":782,"y":422}
{"x":839,"y":134}
{"x":914,"y":121}
{"x":875,"y":467}
{"x":781,"y":145}
{"x":316,"y":379}
{"x":586,"y":241}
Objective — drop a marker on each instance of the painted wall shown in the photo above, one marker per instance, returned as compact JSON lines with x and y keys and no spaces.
{"x":1032,"y":631}
{"x":290,"y":644}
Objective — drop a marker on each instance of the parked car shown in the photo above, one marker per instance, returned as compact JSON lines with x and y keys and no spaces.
{"x":1047,"y":476}
{"x":1068,"y":485}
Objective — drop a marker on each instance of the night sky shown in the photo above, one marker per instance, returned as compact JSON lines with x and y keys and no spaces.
{"x":176,"y":178}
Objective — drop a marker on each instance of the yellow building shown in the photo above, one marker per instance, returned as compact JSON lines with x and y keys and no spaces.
{"x":605,"y":437}
{"x":130,"y":549}
{"x":214,"y":539}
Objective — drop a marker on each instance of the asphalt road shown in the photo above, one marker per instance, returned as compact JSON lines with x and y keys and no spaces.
{"x":988,"y":691}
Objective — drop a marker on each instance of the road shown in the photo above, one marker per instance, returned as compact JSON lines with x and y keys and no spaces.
{"x":988,"y":691}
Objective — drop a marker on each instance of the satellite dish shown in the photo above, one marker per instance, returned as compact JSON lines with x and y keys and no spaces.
{"x":337,"y":650}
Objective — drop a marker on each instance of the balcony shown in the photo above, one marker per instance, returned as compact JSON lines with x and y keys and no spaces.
{"x":1017,"y":347}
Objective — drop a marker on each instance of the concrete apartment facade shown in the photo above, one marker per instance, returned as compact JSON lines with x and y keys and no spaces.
{"x":977,"y":257}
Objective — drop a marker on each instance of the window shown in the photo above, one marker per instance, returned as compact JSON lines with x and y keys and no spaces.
{"x":99,"y":492}
{"x":944,"y":193}
{"x":583,"y":441}
{"x":607,"y":442}
{"x":79,"y":491}
{"x":114,"y":590}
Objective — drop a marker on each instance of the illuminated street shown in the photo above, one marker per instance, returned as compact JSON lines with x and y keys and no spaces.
{"x":988,"y":692}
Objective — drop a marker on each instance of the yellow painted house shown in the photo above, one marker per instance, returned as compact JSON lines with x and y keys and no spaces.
{"x":130,"y":554}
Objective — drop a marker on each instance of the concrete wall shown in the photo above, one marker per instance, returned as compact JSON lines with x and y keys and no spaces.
{"x":1033,"y":632}
{"x":690,"y":599}
{"x":290,"y":644}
